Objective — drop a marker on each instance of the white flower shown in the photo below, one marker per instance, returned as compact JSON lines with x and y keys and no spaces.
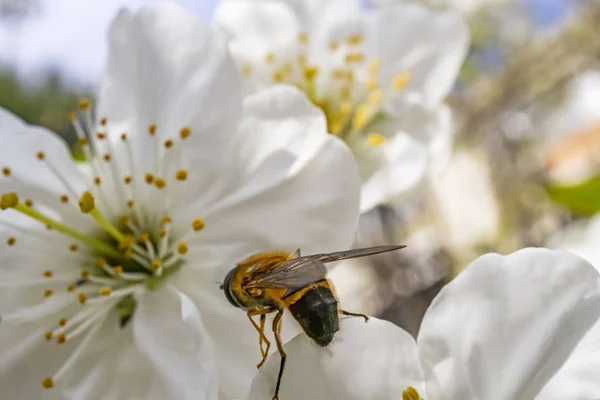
{"x":379,"y":77}
{"x":119,"y":261}
{"x":507,"y":328}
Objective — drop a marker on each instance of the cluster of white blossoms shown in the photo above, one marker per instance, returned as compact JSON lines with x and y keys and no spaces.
{"x":110,"y":268}
{"x":379,"y":76}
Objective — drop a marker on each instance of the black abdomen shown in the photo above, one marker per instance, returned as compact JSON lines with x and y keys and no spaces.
{"x":317,"y":313}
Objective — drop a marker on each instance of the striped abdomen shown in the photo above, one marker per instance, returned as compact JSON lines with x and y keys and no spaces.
{"x":315,"y":309}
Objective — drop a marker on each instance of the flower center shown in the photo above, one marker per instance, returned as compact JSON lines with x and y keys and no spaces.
{"x":120,"y":231}
{"x":410,"y":393}
{"x":346,"y":87}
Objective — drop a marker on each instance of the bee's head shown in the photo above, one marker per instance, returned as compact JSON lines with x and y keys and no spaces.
{"x":226,"y":287}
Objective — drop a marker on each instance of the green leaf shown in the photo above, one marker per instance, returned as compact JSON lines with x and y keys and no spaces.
{"x":583,"y":198}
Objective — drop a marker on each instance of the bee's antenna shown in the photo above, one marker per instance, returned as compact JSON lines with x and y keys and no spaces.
{"x":221,"y":284}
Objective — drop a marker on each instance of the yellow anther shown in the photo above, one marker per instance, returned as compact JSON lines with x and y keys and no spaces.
{"x":302,"y":37}
{"x":105,"y":291}
{"x":29,"y":202}
{"x":371,"y":84}
{"x":97,"y":181}
{"x":166,"y":220}
{"x":118,"y":270}
{"x":354,"y":58}
{"x":277,"y":76}
{"x":123,"y":219}
{"x":160,"y":183}
{"x":144,"y":237}
{"x":345,"y":92}
{"x":126,"y":242}
{"x":103,"y":121}
{"x":302,"y":59}
{"x":123,"y":137}
{"x":48,"y":383}
{"x":73,"y":248}
{"x":48,"y":335}
{"x":72,"y":115}
{"x":246,"y":69}
{"x":374,"y":67}
{"x":168,"y":143}
{"x":100,"y":262}
{"x":333,"y":45}
{"x":401,"y":80}
{"x":11,"y":241}
{"x":162,"y":233}
{"x":354,"y":39}
{"x":181,"y":175}
{"x":82,"y":298}
{"x":361,"y":116}
{"x":101,"y":135}
{"x":375,"y":139}
{"x":269,"y":57}
{"x":130,"y":203}
{"x":84,"y":103}
{"x":310,"y":72}
{"x":64,"y":198}
{"x":182,"y":248}
{"x":375,"y":97}
{"x":149,"y":178}
{"x":185,"y":132}
{"x":71,"y":288}
{"x":60,"y":339}
{"x":62,"y":322}
{"x":9,"y":200}
{"x":152,"y":129}
{"x":198,"y":224}
{"x":345,"y":107}
{"x":127,"y":180}
{"x":128,"y":254}
{"x":106,"y":157}
{"x":410,"y":393}
{"x":287,"y":68}
{"x":48,"y":273}
{"x":6,"y":171}
{"x":156,"y":264}
{"x":84,"y":273}
{"x":48,"y":293}
{"x":87,"y":203}
{"x":82,"y":141}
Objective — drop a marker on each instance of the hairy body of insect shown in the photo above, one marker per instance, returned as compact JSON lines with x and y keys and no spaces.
{"x":272,"y":282}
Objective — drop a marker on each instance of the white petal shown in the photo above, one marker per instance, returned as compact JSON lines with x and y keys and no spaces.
{"x":507,"y":324}
{"x":334,"y":20}
{"x":431,"y":46}
{"x":10,"y":122}
{"x":166,"y":67}
{"x":403,"y":165}
{"x":579,"y":378}
{"x":168,"y":331}
{"x":286,"y":173}
{"x":373,"y":360}
{"x":257,"y":27}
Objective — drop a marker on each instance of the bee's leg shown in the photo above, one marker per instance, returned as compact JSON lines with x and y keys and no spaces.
{"x":354,"y":314}
{"x":264,"y":352}
{"x":276,"y":331}
{"x":261,"y":333}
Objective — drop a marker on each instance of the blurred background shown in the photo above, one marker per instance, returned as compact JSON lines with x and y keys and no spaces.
{"x":527,"y":154}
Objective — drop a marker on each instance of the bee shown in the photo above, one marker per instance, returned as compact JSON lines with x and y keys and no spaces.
{"x":272,"y":282}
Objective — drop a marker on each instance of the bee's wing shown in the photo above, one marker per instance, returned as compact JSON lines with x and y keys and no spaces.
{"x":355,"y":253}
{"x":294,"y":273}
{"x":302,"y":271}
